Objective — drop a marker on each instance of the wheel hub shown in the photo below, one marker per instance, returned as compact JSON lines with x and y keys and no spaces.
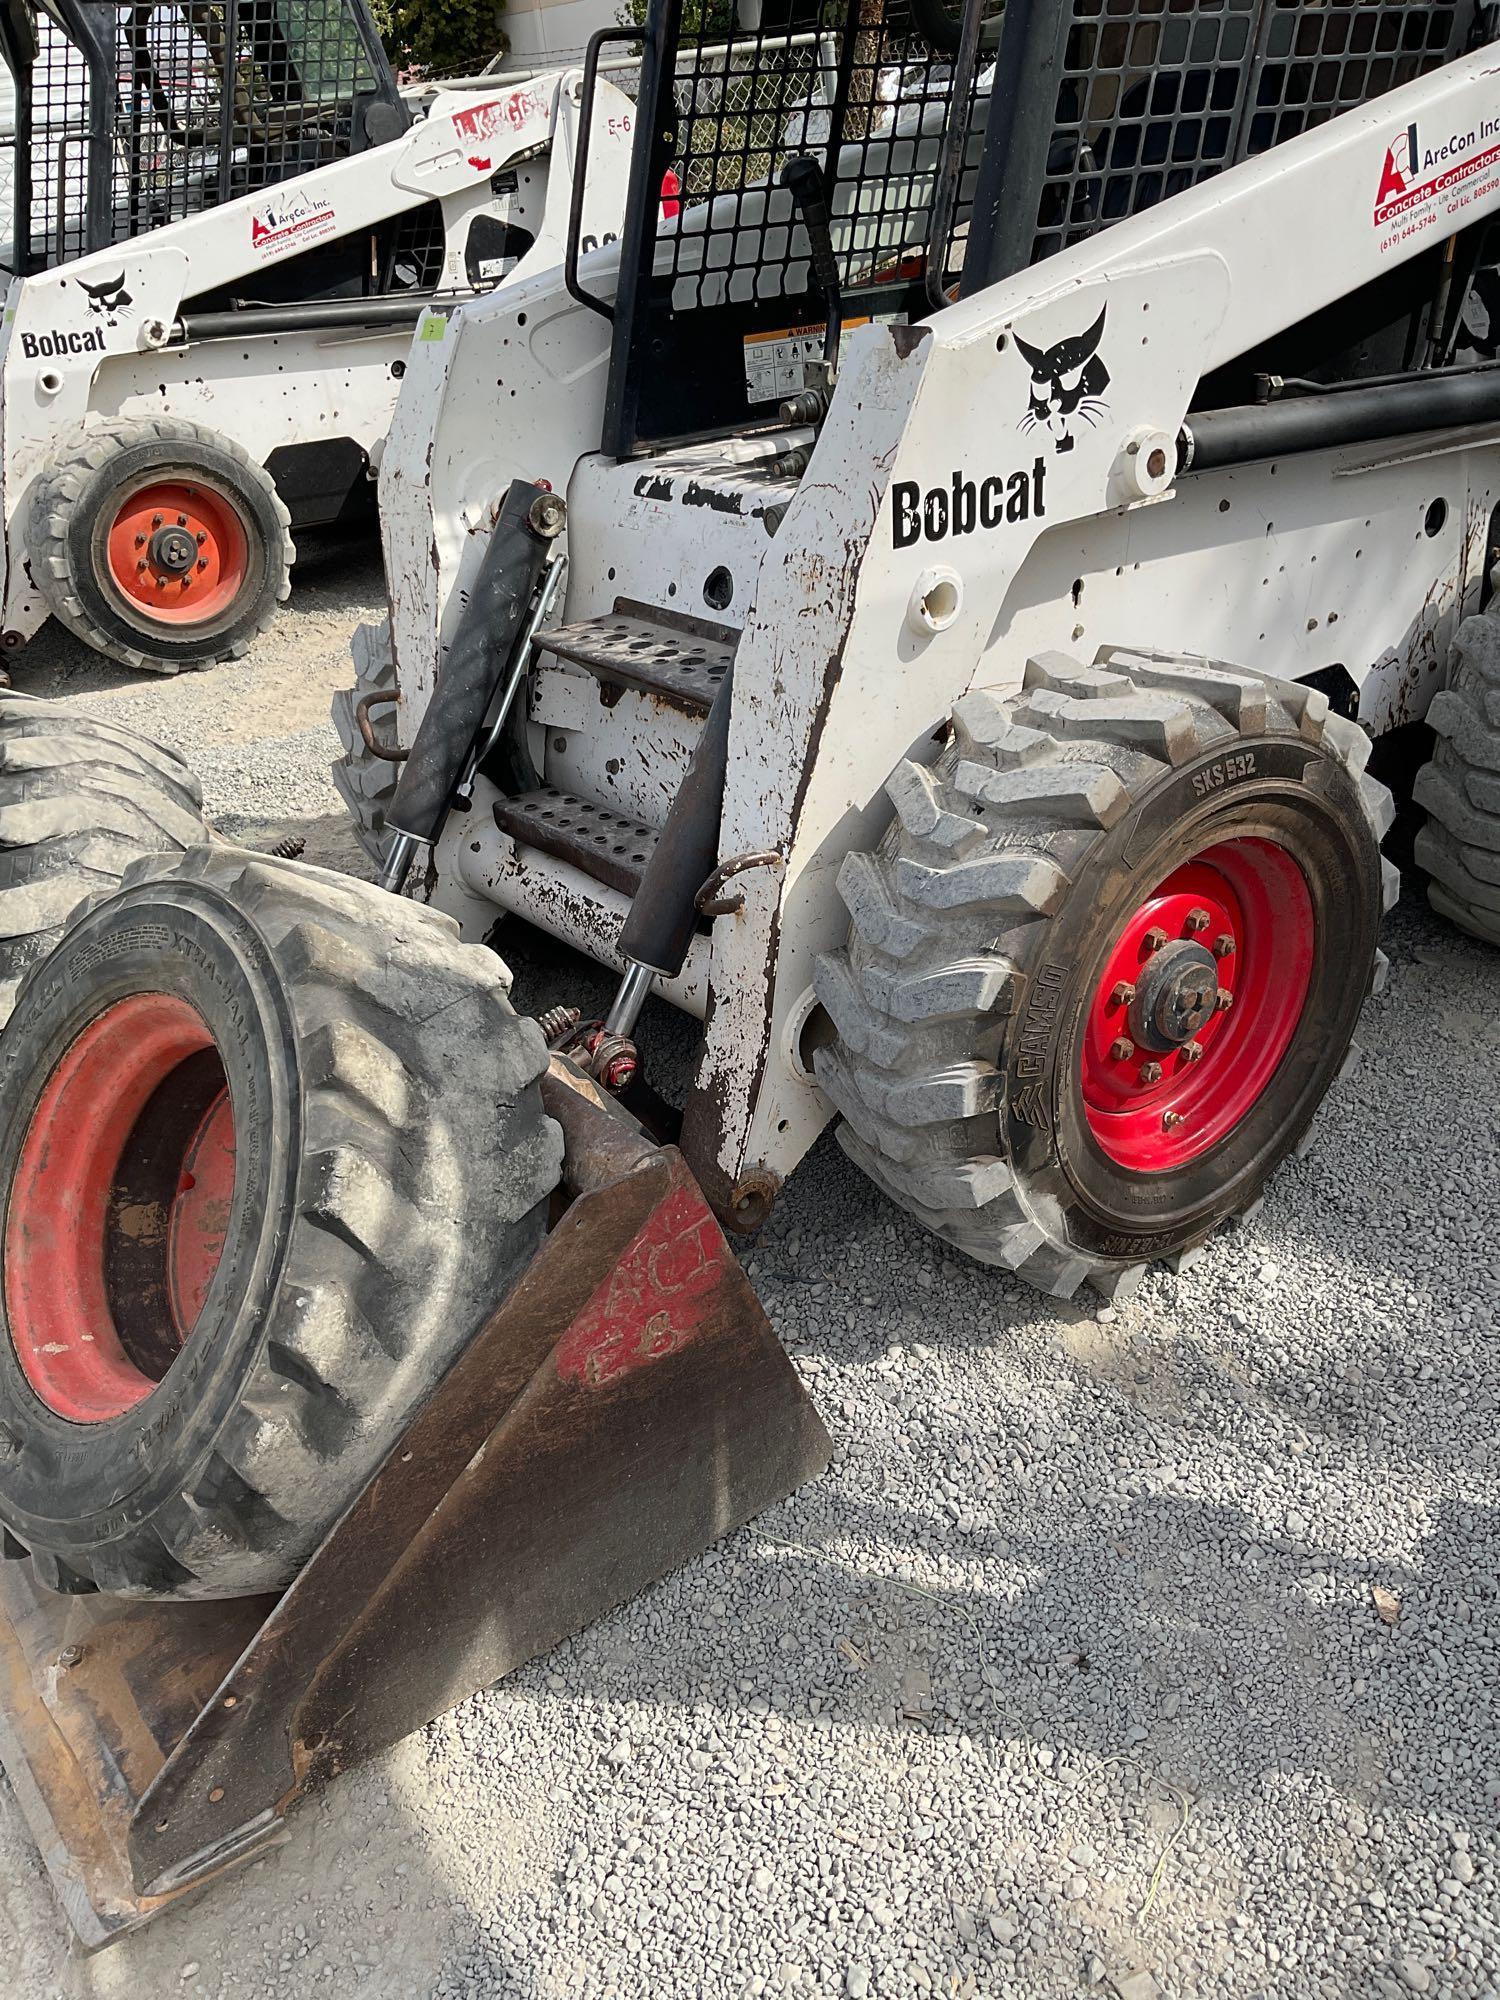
{"x":173,"y":550}
{"x":1196,"y":1004}
{"x":1176,"y":994}
{"x":178,"y":552}
{"x":102,"y":1287}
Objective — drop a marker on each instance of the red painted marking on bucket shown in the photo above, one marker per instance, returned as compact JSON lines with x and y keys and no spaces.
{"x":654,"y":1300}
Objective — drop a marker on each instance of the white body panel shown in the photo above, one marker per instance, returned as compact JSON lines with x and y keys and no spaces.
{"x":67,"y":354}
{"x":1071,"y":546}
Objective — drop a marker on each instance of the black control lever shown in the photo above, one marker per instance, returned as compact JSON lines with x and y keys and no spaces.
{"x":802,"y":178}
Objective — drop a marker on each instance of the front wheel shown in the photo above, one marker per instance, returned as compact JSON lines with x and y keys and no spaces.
{"x":1107,"y":961}
{"x":271,"y":1148}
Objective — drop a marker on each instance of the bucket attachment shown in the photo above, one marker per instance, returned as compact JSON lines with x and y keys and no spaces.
{"x":624,"y":1406}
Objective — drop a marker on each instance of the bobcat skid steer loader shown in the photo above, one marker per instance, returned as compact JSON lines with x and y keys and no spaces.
{"x":994,"y":542}
{"x":225,"y":225}
{"x":993,"y":539}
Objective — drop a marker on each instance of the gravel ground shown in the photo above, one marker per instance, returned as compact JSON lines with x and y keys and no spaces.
{"x":1144,"y":1652}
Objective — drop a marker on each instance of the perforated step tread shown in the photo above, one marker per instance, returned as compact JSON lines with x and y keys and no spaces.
{"x":604,"y":845}
{"x":682,"y":664}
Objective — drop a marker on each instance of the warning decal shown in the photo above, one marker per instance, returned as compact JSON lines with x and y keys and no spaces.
{"x":790,"y":360}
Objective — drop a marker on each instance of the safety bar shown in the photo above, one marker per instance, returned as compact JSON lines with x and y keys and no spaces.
{"x":597,"y":42}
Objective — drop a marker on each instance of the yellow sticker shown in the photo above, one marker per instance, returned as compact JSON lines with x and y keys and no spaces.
{"x":433,"y":327}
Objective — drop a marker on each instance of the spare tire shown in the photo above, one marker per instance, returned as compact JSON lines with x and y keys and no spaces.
{"x":271,"y":1149}
{"x":80,"y":800}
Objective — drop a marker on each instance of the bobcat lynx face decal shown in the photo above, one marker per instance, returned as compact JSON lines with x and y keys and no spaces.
{"x":1068,"y":381}
{"x":107,"y":298}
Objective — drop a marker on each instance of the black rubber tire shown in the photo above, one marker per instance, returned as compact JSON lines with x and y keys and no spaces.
{"x":1042,"y":822}
{"x":367,"y":783}
{"x":76,"y":496}
{"x":393,"y":1166}
{"x":1460,"y":787}
{"x":80,"y":800}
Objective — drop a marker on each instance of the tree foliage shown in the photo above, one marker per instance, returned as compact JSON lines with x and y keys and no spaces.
{"x":702,"y":20}
{"x":440,"y":37}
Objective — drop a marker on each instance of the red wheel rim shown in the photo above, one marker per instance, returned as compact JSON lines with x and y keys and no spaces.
{"x":178,"y":551}
{"x":1244,"y":907}
{"x":73,"y":1210}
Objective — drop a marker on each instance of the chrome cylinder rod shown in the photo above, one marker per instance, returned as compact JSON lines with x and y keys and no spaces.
{"x":633,"y":993}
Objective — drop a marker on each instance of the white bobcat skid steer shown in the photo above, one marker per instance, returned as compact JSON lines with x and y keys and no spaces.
{"x":226,"y":227}
{"x":990,"y":559}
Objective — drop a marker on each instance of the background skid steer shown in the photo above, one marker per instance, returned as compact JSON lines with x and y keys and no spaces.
{"x":225,"y":225}
{"x":1074,"y":947}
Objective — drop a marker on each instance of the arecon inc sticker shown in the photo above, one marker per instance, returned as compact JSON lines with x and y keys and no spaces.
{"x":290,"y":220}
{"x":1429,"y":177}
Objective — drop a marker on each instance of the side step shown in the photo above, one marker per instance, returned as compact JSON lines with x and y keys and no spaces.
{"x":605,"y":845}
{"x":679,"y":659}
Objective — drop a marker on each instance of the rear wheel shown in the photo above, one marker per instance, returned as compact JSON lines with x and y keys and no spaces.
{"x":159,"y":542}
{"x":1107,"y":961}
{"x":366,"y":778}
{"x":1460,"y":788}
{"x":80,"y":800}
{"x":271,"y":1148}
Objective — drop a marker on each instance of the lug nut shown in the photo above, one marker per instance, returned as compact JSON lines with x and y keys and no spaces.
{"x":140,"y":541}
{"x":182,"y":520}
{"x":141,"y":564}
{"x":156,"y":520}
{"x":1223,"y":1000}
{"x":1170,"y":1120}
{"x":1223,"y":945}
{"x":1151,"y":1072}
{"x":1122,"y":1049}
{"x":203,"y":562}
{"x":1195,"y":921}
{"x":1123,"y":994}
{"x":1192,"y":1052}
{"x":201,"y":537}
{"x":1155,"y":938}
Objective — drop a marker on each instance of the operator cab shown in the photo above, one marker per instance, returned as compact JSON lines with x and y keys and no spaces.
{"x":840,"y":164}
{"x":127,"y":117}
